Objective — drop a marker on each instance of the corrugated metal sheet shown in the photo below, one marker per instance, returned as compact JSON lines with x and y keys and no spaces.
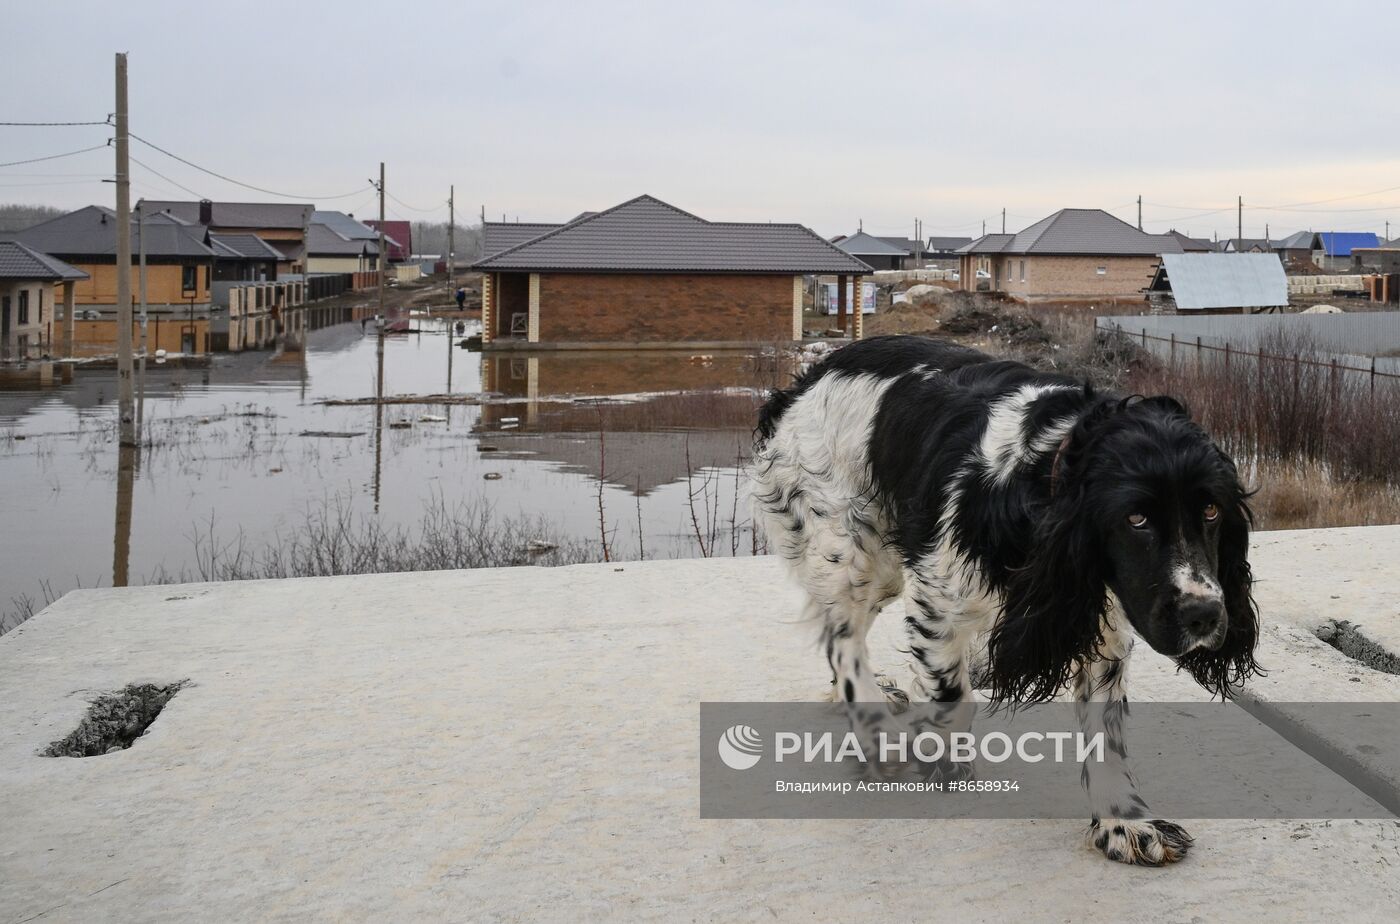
{"x":1202,"y":281}
{"x":1340,"y":243}
{"x":646,"y":235}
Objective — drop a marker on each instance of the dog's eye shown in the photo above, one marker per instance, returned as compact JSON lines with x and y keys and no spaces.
{"x":1211,"y":513}
{"x":1137,"y":520}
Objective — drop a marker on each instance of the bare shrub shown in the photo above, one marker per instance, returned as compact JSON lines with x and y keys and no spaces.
{"x":1286,"y":402}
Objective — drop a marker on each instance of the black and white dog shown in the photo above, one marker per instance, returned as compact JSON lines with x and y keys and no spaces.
{"x":998,"y":499}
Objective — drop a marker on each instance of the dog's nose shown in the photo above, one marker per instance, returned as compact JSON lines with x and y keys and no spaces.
{"x":1201,"y":616}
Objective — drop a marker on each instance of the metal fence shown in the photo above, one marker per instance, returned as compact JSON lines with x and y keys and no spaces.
{"x":1325,"y":341}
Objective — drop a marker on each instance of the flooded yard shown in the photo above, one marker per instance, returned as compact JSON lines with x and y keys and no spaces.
{"x":643,"y":451}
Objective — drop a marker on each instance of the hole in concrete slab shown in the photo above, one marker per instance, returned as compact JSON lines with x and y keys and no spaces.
{"x":115,"y":720}
{"x":1350,"y":641}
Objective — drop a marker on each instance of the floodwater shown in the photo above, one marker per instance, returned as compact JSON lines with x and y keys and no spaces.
{"x":236,"y":453}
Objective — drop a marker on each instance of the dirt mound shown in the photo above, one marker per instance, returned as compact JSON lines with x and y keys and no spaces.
{"x":1010,"y":327}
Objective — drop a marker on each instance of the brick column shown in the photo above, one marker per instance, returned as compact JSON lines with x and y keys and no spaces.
{"x":485,"y":308}
{"x":858,"y":318}
{"x":797,"y":308}
{"x":841,"y":306}
{"x":533,"y":329}
{"x":70,"y":321}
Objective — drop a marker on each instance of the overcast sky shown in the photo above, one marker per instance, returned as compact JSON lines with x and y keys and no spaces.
{"x":823,"y":113}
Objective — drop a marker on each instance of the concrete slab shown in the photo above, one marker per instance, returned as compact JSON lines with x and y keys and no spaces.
{"x":521,"y":744}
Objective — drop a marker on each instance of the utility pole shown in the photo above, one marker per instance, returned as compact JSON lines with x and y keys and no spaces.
{"x":1268,"y":245}
{"x":1239,"y":233}
{"x":984,"y":227}
{"x":451,"y":230}
{"x":1003,"y":221}
{"x":383,"y":264}
{"x":141,"y":285}
{"x":125,"y":398}
{"x":1139,"y":213}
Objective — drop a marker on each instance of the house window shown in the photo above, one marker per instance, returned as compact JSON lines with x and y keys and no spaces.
{"x":1102,"y":271}
{"x":1023,"y":270}
{"x":23,"y":307}
{"x":189,"y":278}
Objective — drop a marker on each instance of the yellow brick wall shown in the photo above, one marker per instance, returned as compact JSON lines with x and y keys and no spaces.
{"x":163,"y":284}
{"x":1050,"y":277}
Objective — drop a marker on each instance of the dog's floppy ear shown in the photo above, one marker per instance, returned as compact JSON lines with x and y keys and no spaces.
{"x":1233,"y":663}
{"x":1054,"y":605}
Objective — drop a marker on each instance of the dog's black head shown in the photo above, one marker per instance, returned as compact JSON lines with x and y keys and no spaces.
{"x":1145,"y":509}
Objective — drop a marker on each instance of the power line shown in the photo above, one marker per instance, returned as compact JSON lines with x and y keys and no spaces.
{"x":35,"y":160}
{"x":56,"y":183}
{"x":166,"y":178}
{"x":49,"y":124}
{"x":228,"y":179}
{"x":414,"y":208}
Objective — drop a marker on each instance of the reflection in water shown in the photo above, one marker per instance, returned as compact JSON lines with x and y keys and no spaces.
{"x":224,"y":455}
{"x":667,"y":416}
{"x":127,"y":460}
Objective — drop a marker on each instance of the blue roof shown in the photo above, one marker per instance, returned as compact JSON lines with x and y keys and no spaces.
{"x":1340,"y":243}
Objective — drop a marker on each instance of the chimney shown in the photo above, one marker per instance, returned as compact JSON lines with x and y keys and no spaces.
{"x":206,"y":212}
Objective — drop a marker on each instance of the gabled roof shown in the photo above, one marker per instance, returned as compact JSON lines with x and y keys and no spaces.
{"x":345,"y":225}
{"x":868,"y":245}
{"x":1086,"y":232}
{"x":19,"y":261}
{"x":398,"y":238}
{"x":907,"y":244}
{"x":947,"y":244}
{"x":280,"y":215}
{"x":325,"y":242}
{"x":646,"y":235}
{"x":503,"y":235}
{"x":1302,"y":240}
{"x":1340,"y":243}
{"x":242,"y":247}
{"x":987,"y":243}
{"x":1248,"y":244}
{"x":92,"y":232}
{"x":1192,"y":244}
{"x":1200,"y":281}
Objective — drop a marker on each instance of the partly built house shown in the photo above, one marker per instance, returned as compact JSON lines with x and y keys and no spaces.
{"x":647,"y":274}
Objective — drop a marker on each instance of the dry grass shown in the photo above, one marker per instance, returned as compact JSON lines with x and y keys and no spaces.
{"x":1304,"y":496}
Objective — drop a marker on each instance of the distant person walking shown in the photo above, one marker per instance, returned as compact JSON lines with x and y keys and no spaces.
{"x":461,"y":297}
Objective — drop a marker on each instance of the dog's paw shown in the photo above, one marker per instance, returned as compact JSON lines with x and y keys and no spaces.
{"x":1143,"y":843}
{"x":897,"y":698}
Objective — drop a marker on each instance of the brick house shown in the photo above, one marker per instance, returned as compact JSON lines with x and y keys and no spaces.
{"x":645,"y":273}
{"x":1072,"y":255}
{"x":29,"y":281}
{"x":280,"y":224}
{"x":882,"y":253}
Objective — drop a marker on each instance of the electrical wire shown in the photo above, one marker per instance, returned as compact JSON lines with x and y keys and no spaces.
{"x":49,"y":124}
{"x":228,"y":179}
{"x":35,"y":160}
{"x":167,"y":179}
{"x":414,"y":208}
